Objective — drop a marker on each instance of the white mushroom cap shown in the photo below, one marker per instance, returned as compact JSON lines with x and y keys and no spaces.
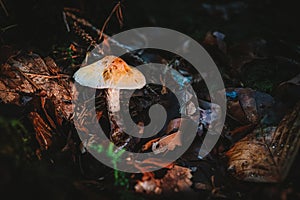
{"x":110,"y":72}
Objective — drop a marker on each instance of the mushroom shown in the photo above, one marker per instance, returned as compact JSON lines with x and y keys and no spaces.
{"x":111,"y":73}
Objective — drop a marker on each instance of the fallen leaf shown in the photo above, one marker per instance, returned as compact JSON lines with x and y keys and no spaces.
{"x":266,"y":155}
{"x":177,"y":179}
{"x":167,"y":143}
{"x":172,"y":126}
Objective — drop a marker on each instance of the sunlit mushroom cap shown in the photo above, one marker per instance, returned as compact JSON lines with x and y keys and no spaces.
{"x":110,"y":72}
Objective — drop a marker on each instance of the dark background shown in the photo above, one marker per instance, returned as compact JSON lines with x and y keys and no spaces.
{"x":39,"y":23}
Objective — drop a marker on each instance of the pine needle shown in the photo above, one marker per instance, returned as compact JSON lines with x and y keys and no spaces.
{"x":116,"y":8}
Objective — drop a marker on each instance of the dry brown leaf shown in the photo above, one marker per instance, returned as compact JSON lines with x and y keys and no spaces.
{"x":29,"y":78}
{"x":172,"y":126}
{"x":295,"y":80}
{"x":149,"y":144}
{"x":266,"y":154}
{"x":243,"y":109}
{"x":177,"y":179}
{"x":167,"y":143}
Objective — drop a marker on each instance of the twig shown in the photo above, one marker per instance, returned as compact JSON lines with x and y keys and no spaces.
{"x":107,"y":20}
{"x":65,"y":21}
{"x":8,"y":27}
{"x":4,"y":8}
{"x":86,"y":23}
{"x":58,"y":76}
{"x":28,"y":79}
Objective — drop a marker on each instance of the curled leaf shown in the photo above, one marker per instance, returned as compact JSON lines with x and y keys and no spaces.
{"x":266,"y":155}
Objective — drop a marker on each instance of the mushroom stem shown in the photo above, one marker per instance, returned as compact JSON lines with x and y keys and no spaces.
{"x":117,"y":135}
{"x":113,"y":100}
